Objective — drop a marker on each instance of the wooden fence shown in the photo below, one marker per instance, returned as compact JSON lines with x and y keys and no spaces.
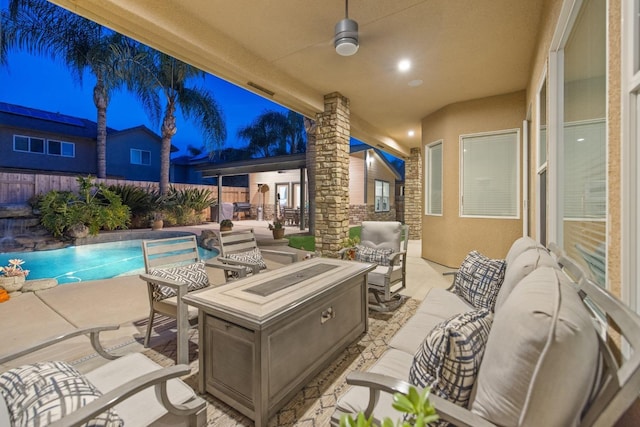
{"x":20,"y":187}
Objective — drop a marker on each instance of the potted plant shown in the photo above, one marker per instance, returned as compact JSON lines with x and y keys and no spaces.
{"x":226,"y":225}
{"x":277,"y":228}
{"x":157,"y":220}
{"x":13,"y":275}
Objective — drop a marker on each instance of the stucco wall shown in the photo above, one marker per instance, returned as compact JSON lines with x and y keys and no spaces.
{"x":448,"y":238}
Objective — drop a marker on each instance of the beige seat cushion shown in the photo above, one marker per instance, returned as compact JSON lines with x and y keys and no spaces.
{"x":142,"y":409}
{"x":519,"y":268}
{"x":394,"y":363}
{"x":412,"y":333}
{"x":442,"y":303}
{"x":541,"y":357}
{"x":519,"y":246}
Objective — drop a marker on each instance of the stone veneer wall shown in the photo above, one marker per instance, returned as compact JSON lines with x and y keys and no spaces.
{"x":357,"y":213}
{"x":413,"y":194}
{"x":332,"y":174}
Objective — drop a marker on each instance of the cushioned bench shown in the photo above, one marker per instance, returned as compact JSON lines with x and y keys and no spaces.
{"x":536,"y":360}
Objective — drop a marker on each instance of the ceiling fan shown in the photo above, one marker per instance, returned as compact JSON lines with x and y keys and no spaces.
{"x":346,"y":34}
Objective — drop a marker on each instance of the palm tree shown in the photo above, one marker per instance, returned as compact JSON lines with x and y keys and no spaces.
{"x":40,"y":27}
{"x":162,"y":76}
{"x":274,"y":133}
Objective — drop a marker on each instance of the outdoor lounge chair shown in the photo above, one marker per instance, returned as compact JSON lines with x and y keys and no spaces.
{"x":132,"y":387}
{"x":384,"y":243}
{"x":595,"y":261}
{"x":172,"y":269}
{"x":240,"y":249}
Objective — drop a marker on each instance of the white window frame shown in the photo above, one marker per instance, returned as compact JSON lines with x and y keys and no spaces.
{"x":375,"y":195}
{"x":139,"y":151}
{"x":630,"y":118}
{"x":44,"y":144}
{"x":62,"y":144}
{"x":427,"y":178}
{"x":517,"y":184}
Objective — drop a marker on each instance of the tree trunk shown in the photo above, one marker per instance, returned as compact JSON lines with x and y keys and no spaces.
{"x":310,"y":127}
{"x":168,"y":130}
{"x":101,"y":101}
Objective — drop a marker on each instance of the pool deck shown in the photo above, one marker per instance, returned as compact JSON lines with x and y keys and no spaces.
{"x":32,"y":317}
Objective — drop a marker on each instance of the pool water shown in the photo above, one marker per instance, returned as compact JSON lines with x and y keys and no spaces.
{"x":87,"y":262}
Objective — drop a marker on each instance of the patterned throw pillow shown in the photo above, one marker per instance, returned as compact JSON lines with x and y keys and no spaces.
{"x":449,"y":358}
{"x":253,"y":256}
{"x":378,"y":256}
{"x":479,"y":279}
{"x":41,"y":393}
{"x":194,"y":275}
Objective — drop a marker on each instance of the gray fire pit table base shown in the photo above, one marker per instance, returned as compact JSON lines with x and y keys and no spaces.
{"x":264,"y":337}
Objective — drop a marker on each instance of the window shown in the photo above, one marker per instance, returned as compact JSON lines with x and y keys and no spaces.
{"x":382,"y":196}
{"x":433,"y":177}
{"x":140,"y":157}
{"x":28,"y":144}
{"x":582,"y":215}
{"x":60,"y":148}
{"x":490,"y":171}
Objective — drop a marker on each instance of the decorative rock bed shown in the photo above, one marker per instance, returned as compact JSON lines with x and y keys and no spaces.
{"x":31,"y":286}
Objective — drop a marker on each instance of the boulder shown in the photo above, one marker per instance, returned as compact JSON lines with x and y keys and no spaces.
{"x":39,"y":285}
{"x":78,"y":231}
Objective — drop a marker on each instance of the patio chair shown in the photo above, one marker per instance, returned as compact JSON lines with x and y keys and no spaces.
{"x":172,"y":269}
{"x":384,"y":243}
{"x":131,"y":388}
{"x":240,"y":249}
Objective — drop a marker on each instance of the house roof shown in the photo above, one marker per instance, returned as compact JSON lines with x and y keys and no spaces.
{"x":284,"y":51}
{"x":21,"y":117}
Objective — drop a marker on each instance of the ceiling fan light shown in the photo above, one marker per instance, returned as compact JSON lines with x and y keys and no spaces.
{"x":346,"y":37}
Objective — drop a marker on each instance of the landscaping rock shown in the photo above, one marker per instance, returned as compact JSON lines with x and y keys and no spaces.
{"x":208,"y":239}
{"x":39,"y":285}
{"x":78,"y":231}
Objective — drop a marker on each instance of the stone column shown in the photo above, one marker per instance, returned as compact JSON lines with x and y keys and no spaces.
{"x":413,"y":192}
{"x":332,"y":174}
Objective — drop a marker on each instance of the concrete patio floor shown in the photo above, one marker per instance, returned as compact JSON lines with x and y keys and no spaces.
{"x":32,"y":317}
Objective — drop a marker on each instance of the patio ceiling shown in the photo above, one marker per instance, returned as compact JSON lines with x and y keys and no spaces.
{"x":460,"y":50}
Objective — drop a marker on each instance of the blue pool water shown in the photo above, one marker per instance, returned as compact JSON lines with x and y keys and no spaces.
{"x":87,"y":262}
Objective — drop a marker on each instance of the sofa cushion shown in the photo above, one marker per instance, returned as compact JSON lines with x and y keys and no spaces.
{"x":450,"y":356}
{"x":194,"y":275}
{"x":411,"y":335}
{"x":541,"y":358}
{"x":41,"y":393}
{"x":444,"y":304}
{"x":378,"y":256}
{"x":519,"y":268}
{"x":394,"y":363}
{"x":519,"y":246}
{"x":479,"y":279}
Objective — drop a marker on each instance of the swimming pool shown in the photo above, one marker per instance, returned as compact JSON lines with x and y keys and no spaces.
{"x":87,"y":262}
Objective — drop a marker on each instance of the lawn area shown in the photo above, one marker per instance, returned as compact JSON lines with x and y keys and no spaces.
{"x":308,"y":243}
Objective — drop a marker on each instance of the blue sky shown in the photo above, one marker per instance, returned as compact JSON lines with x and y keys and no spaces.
{"x":38,"y":82}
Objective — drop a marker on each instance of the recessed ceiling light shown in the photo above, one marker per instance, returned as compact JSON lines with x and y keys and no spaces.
{"x":415,"y":83}
{"x":404,"y":65}
{"x":411,"y":133}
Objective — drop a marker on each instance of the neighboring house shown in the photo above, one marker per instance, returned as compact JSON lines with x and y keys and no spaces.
{"x":37,"y":140}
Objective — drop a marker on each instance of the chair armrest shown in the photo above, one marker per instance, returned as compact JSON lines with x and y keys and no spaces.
{"x":157,"y":379}
{"x":149,"y":278}
{"x":294,"y":257}
{"x":255,"y":268}
{"x":447,"y":411}
{"x":240,"y":271}
{"x":93,"y":332}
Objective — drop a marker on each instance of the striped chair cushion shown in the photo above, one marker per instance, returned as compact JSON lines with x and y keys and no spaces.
{"x":41,"y":393}
{"x":378,"y":256}
{"x":449,"y":358}
{"x":254,"y":256}
{"x":479,"y":279}
{"x":194,"y":275}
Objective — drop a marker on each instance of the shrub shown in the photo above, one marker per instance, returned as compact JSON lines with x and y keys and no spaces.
{"x":95,"y":206}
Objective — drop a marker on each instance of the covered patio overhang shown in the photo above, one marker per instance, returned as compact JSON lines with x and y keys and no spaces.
{"x":266,"y":164}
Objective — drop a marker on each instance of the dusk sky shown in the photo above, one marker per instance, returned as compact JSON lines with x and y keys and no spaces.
{"x":38,"y":82}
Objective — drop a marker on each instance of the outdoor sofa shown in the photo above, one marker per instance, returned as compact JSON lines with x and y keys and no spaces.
{"x":542,"y":358}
